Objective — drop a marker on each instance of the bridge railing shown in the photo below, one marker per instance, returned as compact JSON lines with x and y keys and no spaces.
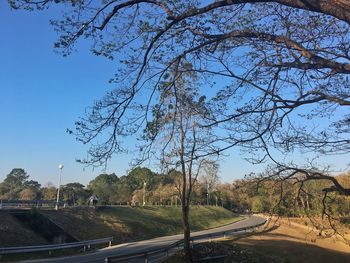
{"x":83,"y":244}
{"x":166,"y":250}
{"x":18,"y":204}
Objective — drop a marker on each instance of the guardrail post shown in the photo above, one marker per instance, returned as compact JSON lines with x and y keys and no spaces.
{"x":110,"y":243}
{"x":106,"y":260}
{"x":224,"y":234}
{"x":146,"y":259}
{"x":84,"y":248}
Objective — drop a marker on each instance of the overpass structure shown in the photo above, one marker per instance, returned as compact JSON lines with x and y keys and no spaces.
{"x":24,"y":204}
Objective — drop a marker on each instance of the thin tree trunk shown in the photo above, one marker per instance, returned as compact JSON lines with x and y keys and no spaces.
{"x":302,"y":202}
{"x":307,"y":203}
{"x":187,"y":230}
{"x":185,"y":199}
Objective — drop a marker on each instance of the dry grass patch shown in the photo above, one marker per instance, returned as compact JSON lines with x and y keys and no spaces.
{"x":284,"y":241}
{"x":291,"y":241}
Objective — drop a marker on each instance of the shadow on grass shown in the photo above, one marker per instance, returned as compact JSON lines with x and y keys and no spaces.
{"x":294,"y":252}
{"x":281,"y":250}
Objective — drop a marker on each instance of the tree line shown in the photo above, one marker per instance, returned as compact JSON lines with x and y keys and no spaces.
{"x":288,"y":198}
{"x":142,"y":185}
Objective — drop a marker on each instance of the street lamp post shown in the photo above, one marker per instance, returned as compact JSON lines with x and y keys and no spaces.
{"x":59,"y":185}
{"x":144,"y":192}
{"x":207,"y":194}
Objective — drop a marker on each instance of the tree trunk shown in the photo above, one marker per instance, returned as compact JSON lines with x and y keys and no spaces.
{"x":302,"y":202}
{"x":307,"y":203}
{"x":186,"y":227}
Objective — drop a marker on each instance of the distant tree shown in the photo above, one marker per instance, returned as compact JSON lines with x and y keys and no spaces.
{"x":199,"y":194}
{"x":31,"y":189}
{"x":13,"y":184}
{"x":140,"y":175}
{"x":123,"y":192}
{"x":164,"y":194}
{"x":28,"y":194}
{"x":209,"y":176}
{"x":32,"y":184}
{"x":75,"y":194}
{"x":104,"y":186}
{"x":49,"y":192}
{"x":137,"y":197}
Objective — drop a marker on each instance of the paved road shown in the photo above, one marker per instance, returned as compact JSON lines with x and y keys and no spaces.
{"x":143,"y":246}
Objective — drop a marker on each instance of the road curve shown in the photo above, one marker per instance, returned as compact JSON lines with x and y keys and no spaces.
{"x":146,"y":245}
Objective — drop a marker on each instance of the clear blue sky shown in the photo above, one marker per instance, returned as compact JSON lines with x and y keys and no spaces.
{"x":43,"y":94}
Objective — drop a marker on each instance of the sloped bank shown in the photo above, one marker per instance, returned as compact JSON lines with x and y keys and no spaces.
{"x":13,"y":233}
{"x":43,"y":226}
{"x":127,"y":224}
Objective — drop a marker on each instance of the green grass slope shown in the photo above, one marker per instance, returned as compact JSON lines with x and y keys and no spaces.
{"x":127,"y":224}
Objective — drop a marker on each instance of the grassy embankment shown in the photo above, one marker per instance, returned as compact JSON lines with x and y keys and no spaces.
{"x":127,"y":224}
{"x":13,"y":233}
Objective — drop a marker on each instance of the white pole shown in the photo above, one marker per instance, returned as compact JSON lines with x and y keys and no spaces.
{"x":59,"y":185}
{"x":144,"y":192}
{"x":207,"y":194}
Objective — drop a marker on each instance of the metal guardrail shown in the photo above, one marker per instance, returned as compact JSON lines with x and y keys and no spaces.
{"x":84,"y":244}
{"x":17,"y":204}
{"x":147,"y":254}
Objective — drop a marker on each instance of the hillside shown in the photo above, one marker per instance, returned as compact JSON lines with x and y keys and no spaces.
{"x":13,"y":233}
{"x":135,"y":223}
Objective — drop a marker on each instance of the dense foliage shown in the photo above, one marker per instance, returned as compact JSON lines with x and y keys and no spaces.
{"x":287,"y":198}
{"x":247,"y":195}
{"x":139,"y":185}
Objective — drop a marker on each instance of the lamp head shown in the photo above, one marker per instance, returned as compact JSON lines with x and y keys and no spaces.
{"x":60,"y":166}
